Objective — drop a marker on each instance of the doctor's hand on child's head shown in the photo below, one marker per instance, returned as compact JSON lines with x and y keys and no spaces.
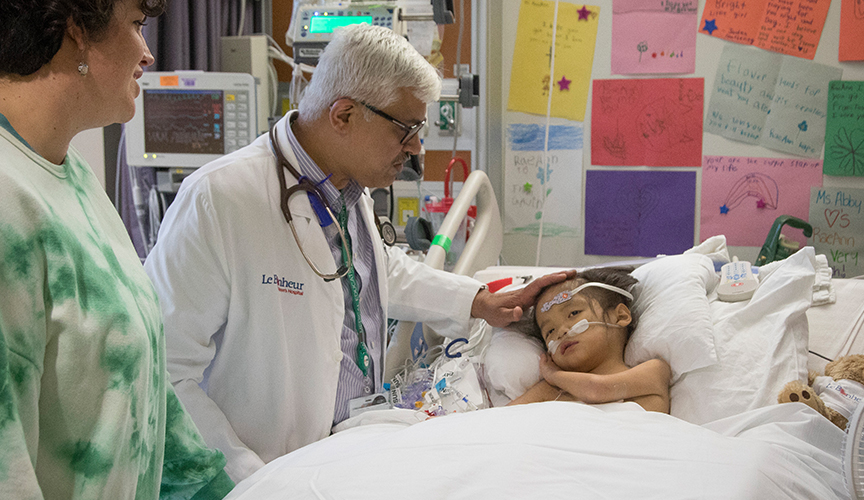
{"x":502,"y":308}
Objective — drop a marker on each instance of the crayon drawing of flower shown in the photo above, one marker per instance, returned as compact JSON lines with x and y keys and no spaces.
{"x":848,"y":150}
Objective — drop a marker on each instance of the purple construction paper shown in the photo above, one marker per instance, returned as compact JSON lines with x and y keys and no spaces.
{"x":639,"y":213}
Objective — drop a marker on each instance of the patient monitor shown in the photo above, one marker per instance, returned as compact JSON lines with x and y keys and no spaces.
{"x":184,"y":119}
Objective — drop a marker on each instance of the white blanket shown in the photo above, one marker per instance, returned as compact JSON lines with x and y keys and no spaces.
{"x":566,"y":450}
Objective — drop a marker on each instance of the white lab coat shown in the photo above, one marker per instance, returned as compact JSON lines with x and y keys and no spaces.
{"x":256,"y":360}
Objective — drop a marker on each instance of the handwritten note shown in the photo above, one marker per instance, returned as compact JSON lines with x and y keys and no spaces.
{"x":742,"y":196}
{"x":838,"y":229}
{"x":844,"y":133}
{"x":653,"y":37}
{"x":527,"y":181}
{"x":639,"y":213}
{"x":851,"y":30}
{"x":791,"y":27}
{"x":654,"y":122}
{"x":768,"y":99}
{"x":530,"y":81}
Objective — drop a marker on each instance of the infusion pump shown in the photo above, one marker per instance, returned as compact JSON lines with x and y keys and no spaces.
{"x":314,"y":24}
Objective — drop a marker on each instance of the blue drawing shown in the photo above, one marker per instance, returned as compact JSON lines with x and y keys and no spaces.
{"x":710,"y":26}
{"x":531,"y":137}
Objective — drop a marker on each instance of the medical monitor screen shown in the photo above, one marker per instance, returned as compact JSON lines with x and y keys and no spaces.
{"x":326,"y":24}
{"x":183,"y":121}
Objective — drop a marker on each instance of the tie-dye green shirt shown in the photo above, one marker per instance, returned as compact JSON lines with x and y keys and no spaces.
{"x":86,"y":411}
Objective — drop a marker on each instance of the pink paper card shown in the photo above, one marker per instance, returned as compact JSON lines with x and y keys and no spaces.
{"x":742,"y":196}
{"x":653,"y":37}
{"x":652,"y":122}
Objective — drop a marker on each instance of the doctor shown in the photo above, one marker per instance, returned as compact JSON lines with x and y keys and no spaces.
{"x":264,"y":351}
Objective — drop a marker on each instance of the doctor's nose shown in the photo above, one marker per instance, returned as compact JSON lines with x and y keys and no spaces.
{"x":413,"y":145}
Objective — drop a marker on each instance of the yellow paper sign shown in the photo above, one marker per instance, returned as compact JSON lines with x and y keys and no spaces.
{"x":575,"y":38}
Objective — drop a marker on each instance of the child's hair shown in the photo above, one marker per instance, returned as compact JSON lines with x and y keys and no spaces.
{"x":618,"y":276}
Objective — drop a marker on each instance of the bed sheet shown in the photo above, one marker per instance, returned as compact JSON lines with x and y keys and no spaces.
{"x":566,"y":450}
{"x":836,"y":328}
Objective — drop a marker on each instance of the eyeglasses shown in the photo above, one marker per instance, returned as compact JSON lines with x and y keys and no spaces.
{"x":410,"y":130}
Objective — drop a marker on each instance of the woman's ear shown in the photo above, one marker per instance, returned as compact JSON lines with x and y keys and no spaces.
{"x":76,"y":34}
{"x":622,"y":315}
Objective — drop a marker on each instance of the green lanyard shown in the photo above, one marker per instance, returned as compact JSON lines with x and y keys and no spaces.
{"x":362,"y":352}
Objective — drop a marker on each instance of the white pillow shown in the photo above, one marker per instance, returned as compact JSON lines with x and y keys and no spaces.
{"x":511,"y":364}
{"x":672,"y":313}
{"x":675,"y":313}
{"x":761,"y":345}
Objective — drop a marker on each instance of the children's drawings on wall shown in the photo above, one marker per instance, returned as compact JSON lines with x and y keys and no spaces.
{"x":851,"y":30}
{"x":653,"y":122}
{"x":844,"y":132}
{"x":639,"y":213}
{"x":838,"y":229}
{"x":651,"y":36}
{"x":527,"y":181}
{"x":768,"y":99}
{"x":791,"y":27}
{"x":742,"y":196}
{"x":530,"y":82}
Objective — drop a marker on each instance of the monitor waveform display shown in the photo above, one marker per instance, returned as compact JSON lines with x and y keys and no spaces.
{"x":183,"y":121}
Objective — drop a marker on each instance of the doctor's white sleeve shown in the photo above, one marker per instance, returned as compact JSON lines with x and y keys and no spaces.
{"x":439,"y":299}
{"x":189,"y":270}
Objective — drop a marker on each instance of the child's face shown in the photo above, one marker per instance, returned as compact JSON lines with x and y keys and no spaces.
{"x":587,"y":350}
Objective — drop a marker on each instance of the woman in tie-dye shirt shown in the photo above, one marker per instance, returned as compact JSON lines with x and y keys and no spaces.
{"x":85,"y":408}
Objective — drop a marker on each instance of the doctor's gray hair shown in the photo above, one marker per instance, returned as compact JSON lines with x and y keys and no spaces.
{"x":369,"y":64}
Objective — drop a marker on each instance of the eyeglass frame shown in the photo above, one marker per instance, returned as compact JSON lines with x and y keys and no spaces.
{"x":410,"y":130}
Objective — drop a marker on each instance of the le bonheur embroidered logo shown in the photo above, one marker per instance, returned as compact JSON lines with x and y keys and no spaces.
{"x":282,"y":284}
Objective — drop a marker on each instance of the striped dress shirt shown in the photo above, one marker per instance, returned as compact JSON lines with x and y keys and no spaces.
{"x":352,"y":383}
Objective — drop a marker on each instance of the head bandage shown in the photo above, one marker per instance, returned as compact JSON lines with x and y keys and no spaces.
{"x":565,"y":296}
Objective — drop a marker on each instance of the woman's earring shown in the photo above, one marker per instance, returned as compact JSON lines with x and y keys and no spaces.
{"x":83,"y":68}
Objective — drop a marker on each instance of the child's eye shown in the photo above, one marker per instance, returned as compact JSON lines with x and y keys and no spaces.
{"x":574,"y":313}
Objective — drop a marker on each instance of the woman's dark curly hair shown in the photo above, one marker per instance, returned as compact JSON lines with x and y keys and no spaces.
{"x":32,"y":30}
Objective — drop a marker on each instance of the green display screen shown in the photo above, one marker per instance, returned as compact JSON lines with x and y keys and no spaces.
{"x":326,"y":24}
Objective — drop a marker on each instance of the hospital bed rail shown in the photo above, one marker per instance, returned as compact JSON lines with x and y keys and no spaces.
{"x":481,"y":250}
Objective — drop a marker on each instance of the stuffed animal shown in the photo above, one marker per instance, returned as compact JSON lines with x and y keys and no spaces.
{"x":834,"y":395}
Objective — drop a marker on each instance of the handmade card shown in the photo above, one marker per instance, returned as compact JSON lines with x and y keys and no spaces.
{"x":768,"y":99}
{"x":838,"y":228}
{"x":844,"y":133}
{"x":653,"y":122}
{"x":534,"y":191}
{"x":741,"y":196}
{"x":653,"y":37}
{"x":639,"y":213}
{"x":851,"y":30}
{"x":530,"y":81}
{"x":791,"y":27}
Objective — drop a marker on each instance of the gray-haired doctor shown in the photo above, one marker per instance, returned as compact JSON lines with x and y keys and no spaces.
{"x":264,"y":351}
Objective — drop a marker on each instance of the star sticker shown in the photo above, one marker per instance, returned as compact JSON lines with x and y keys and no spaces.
{"x":710,"y":26}
{"x":584,"y":13}
{"x":527,"y":187}
{"x":724,"y":209}
{"x":760,"y":204}
{"x":564,"y":83}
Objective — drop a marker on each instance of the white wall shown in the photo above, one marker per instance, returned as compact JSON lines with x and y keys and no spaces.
{"x":500,"y":24}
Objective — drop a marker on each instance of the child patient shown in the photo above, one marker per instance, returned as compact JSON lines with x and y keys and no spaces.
{"x":585,"y":323}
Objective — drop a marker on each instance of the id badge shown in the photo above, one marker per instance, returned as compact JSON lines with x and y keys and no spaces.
{"x":363,"y":404}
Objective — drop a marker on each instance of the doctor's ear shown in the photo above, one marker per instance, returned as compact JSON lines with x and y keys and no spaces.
{"x":340,"y":114}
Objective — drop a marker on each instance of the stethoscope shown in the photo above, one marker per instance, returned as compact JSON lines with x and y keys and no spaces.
{"x":322,"y":210}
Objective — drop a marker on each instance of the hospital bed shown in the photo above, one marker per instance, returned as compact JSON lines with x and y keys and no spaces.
{"x":726,"y":437}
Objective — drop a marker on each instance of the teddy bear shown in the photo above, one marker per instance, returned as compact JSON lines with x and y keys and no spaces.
{"x":834,"y":395}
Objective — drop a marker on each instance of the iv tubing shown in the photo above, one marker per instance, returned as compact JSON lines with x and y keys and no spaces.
{"x":546,"y":139}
